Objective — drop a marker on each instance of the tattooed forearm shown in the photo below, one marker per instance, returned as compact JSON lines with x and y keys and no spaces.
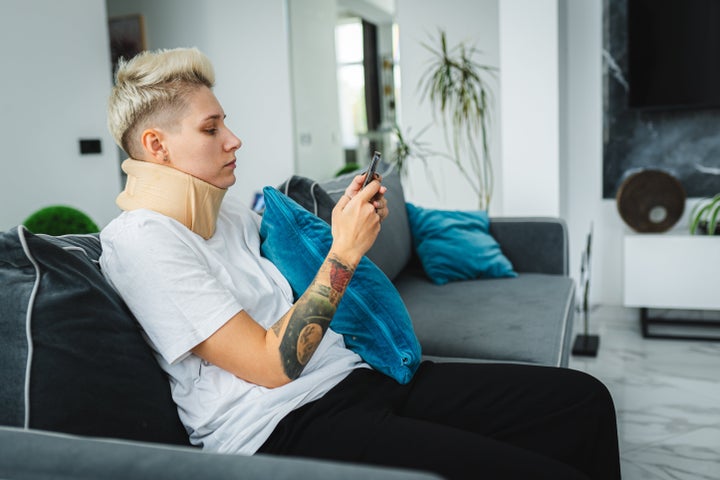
{"x":312,"y":315}
{"x":306,"y":327}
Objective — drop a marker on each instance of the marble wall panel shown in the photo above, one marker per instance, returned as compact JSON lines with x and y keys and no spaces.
{"x":683,"y":142}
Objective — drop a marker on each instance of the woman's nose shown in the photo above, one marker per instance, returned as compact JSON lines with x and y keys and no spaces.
{"x":234,"y":142}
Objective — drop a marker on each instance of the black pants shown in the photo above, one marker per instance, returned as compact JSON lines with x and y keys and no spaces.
{"x":480,"y":421}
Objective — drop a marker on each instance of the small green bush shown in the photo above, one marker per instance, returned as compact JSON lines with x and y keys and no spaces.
{"x":60,"y":220}
{"x":347,"y":168}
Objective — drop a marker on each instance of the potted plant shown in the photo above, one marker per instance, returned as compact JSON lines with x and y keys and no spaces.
{"x":705,"y":215}
{"x":456,"y":87}
{"x":410,"y":146}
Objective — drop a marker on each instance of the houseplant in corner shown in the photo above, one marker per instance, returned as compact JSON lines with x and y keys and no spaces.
{"x":456,"y":87}
{"x":705,"y":215}
{"x":408,"y":146}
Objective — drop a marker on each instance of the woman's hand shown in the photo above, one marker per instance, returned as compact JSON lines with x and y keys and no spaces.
{"x":356,"y":219}
{"x":378,"y":201}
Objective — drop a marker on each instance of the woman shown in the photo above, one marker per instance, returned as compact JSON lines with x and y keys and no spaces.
{"x":252,"y":370}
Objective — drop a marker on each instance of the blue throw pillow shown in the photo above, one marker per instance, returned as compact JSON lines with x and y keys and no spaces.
{"x":371,"y":315}
{"x":456,"y":245}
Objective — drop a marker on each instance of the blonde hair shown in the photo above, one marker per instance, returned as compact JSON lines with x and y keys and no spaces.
{"x":151,"y":90}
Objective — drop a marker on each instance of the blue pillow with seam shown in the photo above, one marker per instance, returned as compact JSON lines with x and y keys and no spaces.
{"x":371,"y":315}
{"x":456,"y":245}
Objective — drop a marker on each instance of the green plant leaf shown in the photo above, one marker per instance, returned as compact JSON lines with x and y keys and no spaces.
{"x":713,"y":219}
{"x":699,"y":215}
{"x":701,"y":212}
{"x":712,"y":216}
{"x":454,"y":85}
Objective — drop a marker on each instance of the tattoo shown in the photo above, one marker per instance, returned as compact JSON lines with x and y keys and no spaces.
{"x":306,"y":328}
{"x":311,"y":318}
{"x":277,"y":327}
{"x":340,"y":276}
{"x":308,"y":341}
{"x":323,"y":290}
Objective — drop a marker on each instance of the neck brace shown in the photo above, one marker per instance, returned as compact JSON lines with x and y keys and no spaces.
{"x":189,"y":200}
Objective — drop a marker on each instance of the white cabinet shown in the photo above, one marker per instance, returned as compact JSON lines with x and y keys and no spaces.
{"x":673,"y":270}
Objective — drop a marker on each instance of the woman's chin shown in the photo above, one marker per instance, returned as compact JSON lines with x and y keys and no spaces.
{"x":230,"y":182}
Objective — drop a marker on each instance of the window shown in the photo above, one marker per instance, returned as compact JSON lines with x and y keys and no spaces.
{"x":351,"y":80}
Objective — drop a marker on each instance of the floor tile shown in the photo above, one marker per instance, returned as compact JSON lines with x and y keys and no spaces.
{"x":666,"y":393}
{"x":693,"y":456}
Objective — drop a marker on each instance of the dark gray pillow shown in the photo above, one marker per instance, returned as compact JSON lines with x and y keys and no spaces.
{"x":72,"y":358}
{"x":310,"y":195}
{"x":393,"y":247}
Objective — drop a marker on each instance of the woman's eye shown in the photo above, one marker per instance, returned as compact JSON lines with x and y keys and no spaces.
{"x":211,"y":131}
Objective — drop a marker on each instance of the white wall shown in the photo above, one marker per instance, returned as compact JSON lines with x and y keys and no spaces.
{"x":529,"y":96}
{"x":584,"y":147}
{"x":471,"y":21}
{"x":55,"y":83}
{"x":550,"y":112}
{"x":553,"y":154}
{"x":521,"y":38}
{"x":247,"y":42}
{"x":375,"y":11}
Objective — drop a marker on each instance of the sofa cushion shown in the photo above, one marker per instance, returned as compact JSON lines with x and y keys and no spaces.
{"x":456,"y":245}
{"x":371,"y":316}
{"x":393,"y":246}
{"x":72,"y":358}
{"x":546,"y":252}
{"x":525,"y":319}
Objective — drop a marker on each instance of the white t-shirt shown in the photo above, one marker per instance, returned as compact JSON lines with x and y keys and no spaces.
{"x":182,"y":288}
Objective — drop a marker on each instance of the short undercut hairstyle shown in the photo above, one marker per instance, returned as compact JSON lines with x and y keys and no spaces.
{"x":151,"y":90}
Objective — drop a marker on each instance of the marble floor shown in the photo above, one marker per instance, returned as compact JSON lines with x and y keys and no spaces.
{"x":667,"y":397}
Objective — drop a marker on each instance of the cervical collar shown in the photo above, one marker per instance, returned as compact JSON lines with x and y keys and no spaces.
{"x":189,"y":200}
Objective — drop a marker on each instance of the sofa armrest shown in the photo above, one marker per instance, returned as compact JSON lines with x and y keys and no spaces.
{"x":45,"y":455}
{"x":533,"y":244}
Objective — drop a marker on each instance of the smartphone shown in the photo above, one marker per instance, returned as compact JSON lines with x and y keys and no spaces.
{"x":370,"y":172}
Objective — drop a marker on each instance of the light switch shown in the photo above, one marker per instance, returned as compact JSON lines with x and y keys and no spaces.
{"x":90,"y":146}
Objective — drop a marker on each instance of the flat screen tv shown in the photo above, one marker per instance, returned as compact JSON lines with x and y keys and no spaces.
{"x":673,"y":54}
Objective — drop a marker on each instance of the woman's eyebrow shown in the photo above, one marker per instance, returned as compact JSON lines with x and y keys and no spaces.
{"x":216,"y":116}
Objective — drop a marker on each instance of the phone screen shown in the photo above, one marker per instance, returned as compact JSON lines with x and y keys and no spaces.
{"x":371,"y":169}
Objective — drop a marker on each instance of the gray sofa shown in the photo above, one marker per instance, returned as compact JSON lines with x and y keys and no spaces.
{"x":527,"y":319}
{"x":61,"y":324}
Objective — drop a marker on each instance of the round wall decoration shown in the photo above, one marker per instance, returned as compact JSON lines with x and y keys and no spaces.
{"x":650,"y":201}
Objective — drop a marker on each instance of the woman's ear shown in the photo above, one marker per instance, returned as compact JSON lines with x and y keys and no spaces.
{"x":153,"y":146}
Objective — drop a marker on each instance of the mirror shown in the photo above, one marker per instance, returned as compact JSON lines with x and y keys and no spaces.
{"x":344,"y":82}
